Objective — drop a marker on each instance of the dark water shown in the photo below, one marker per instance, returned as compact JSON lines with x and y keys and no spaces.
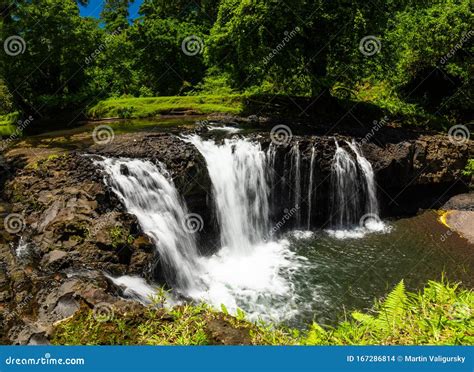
{"x":348,"y":274}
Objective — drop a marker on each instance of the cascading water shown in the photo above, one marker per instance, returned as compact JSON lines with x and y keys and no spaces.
{"x":295,"y":172}
{"x":239,"y":177}
{"x":250,"y":270}
{"x":344,"y":189}
{"x":354,"y":193}
{"x":271,"y":162}
{"x":147,"y":192}
{"x":310,"y":186}
{"x":372,"y":205}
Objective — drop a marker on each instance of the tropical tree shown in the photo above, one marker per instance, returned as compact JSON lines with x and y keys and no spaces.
{"x":47,"y":43}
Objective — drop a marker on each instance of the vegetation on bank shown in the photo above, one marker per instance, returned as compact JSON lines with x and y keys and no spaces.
{"x":127,"y":108}
{"x":441,"y":314}
{"x":407,"y":57}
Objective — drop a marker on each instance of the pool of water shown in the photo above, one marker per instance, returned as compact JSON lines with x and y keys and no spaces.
{"x":330,"y":275}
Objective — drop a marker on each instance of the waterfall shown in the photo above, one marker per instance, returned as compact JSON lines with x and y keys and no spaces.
{"x":147,"y":191}
{"x":344,"y":189}
{"x":353,"y":190}
{"x":271,"y":160}
{"x":295,"y":172}
{"x":310,"y":186}
{"x":238,"y":172}
{"x":271,"y":171}
{"x":372,"y":205}
{"x":249,"y":271}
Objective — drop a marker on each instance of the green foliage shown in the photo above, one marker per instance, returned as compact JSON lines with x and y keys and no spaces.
{"x":180,"y":325}
{"x":158,"y":55}
{"x":49,"y":73}
{"x":115,"y":14}
{"x":440,"y":315}
{"x":429,"y":50}
{"x":148,"y":107}
{"x":6,"y":104}
{"x":469,"y":170}
{"x":120,"y":236}
{"x":422,"y":72}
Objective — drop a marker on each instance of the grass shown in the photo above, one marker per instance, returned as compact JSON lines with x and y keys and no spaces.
{"x":135,"y":108}
{"x":441,"y":314}
{"x":181,"y":325}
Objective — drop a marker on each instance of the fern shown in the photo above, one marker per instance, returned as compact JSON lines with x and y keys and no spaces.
{"x":392,"y":310}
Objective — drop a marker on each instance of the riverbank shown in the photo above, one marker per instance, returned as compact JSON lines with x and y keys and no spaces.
{"x":137,"y":108}
{"x":310,"y":113}
{"x":440,"y":314}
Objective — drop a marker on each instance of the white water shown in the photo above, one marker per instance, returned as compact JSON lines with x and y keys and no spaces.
{"x":246,"y":272}
{"x":134,"y":287}
{"x":344,"y":189}
{"x":310,"y":186}
{"x":149,"y":194}
{"x":295,"y":173}
{"x":351,"y":179}
{"x":23,"y":248}
{"x":372,"y":205}
{"x":238,"y":173}
{"x":224,"y":128}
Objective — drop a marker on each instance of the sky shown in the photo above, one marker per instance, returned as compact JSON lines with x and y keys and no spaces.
{"x":95,"y":7}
